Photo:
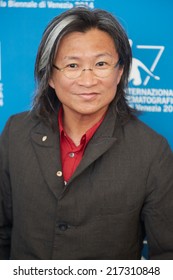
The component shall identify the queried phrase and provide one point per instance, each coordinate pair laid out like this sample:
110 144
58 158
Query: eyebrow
96 56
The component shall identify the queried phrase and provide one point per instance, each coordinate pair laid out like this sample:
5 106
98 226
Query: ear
51 83
120 72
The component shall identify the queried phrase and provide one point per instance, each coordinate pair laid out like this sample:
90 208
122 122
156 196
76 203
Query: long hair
78 19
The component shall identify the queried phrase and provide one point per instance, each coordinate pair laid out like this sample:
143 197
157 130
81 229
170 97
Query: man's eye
72 66
102 64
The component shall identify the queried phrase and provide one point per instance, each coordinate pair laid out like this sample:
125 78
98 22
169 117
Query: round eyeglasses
101 69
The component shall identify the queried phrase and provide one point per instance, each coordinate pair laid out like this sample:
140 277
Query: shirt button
59 173
71 155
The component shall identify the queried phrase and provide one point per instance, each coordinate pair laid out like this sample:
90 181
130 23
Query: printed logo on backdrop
1 84
140 95
45 4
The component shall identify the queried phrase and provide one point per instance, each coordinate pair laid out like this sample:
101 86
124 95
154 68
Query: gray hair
52 36
78 20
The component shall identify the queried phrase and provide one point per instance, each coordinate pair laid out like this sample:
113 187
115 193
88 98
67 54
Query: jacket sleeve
158 208
5 196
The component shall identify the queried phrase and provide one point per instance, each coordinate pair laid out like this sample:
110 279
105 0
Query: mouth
88 96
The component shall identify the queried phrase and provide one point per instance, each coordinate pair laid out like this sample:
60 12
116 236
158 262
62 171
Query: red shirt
71 154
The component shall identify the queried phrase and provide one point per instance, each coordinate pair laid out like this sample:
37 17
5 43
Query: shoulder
20 123
22 118
136 128
143 139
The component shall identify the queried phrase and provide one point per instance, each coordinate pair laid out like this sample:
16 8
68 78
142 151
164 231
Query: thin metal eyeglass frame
90 69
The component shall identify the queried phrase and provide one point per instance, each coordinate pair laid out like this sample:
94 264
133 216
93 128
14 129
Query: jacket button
44 138
59 173
63 226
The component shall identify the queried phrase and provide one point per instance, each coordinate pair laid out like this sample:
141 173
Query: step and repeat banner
148 25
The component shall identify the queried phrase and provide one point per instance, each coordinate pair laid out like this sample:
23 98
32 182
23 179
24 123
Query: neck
76 125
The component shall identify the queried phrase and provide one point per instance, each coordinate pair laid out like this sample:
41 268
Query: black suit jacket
122 189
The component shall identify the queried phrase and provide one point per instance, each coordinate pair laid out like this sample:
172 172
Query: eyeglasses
101 69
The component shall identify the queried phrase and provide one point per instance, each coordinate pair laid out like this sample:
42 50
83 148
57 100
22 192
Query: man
81 176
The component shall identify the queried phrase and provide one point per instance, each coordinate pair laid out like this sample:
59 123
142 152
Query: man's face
87 94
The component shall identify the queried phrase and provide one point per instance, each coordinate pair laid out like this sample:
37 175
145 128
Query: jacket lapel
102 140
46 146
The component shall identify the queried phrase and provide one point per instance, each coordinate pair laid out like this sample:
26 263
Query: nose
87 78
